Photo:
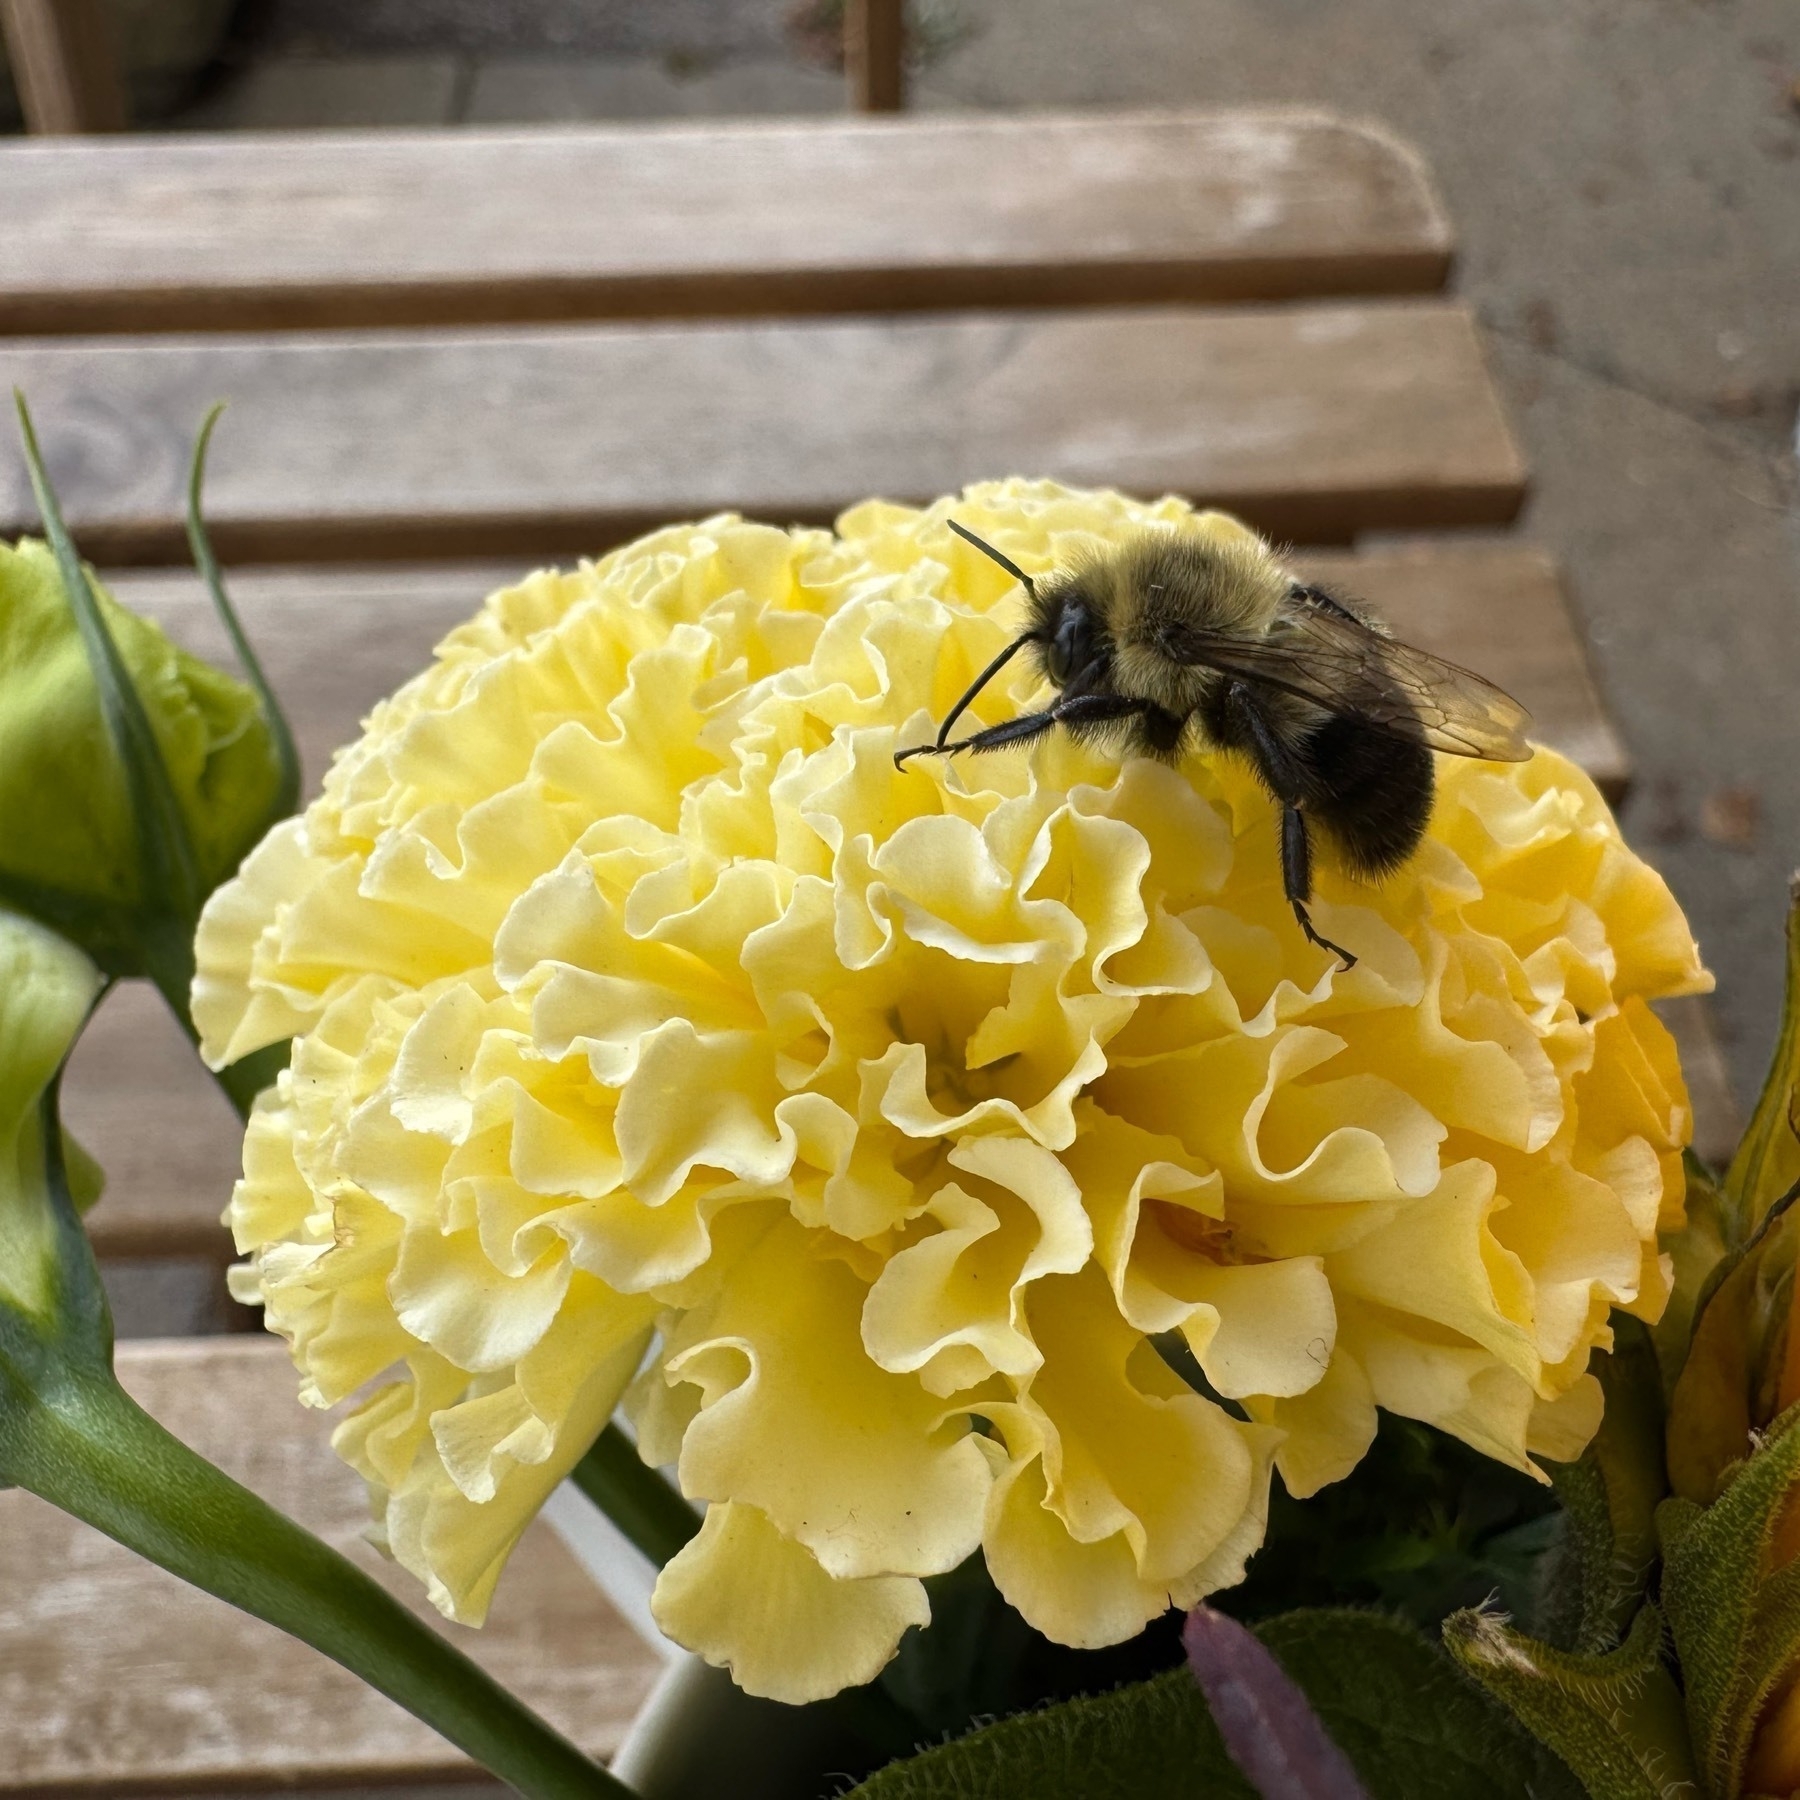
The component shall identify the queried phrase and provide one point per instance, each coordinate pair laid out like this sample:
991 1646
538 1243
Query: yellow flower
884 1123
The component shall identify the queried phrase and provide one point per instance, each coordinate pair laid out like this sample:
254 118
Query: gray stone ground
1625 180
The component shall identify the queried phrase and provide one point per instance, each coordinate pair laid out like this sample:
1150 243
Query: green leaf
1414 1729
1736 1626
1610 1496
1696 1252
1727 1385
47 988
1767 1163
1151 1741
1615 1720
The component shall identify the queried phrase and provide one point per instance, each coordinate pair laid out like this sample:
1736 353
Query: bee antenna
987 549
975 687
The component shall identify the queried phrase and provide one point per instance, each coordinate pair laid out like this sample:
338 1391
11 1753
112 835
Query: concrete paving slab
1680 548
1624 174
545 90
592 27
298 93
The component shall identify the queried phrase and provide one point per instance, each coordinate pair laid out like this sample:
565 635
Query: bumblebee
1170 643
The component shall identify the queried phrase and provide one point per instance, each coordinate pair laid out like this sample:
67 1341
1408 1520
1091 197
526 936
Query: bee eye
1071 648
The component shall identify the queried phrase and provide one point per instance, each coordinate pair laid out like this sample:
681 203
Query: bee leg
1012 731
1282 777
1078 709
1296 880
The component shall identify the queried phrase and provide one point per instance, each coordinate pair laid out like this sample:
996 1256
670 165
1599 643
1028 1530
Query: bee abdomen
1370 792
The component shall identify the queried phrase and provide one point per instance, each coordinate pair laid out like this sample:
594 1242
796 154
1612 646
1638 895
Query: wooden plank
117 1678
1316 422
335 641
875 54
398 227
1498 608
64 66
1718 1118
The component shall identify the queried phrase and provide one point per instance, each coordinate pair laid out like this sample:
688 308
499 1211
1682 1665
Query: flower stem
637 1499
80 1442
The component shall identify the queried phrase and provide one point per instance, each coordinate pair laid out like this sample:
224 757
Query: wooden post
63 61
874 46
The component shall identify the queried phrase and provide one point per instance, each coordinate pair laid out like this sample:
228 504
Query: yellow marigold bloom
881 1123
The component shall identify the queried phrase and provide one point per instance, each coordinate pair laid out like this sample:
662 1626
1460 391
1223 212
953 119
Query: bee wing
1332 658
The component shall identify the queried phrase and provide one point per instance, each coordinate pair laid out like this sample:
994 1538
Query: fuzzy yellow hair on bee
1172 642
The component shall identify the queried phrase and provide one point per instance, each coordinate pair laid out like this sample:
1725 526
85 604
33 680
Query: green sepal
1736 1625
286 796
1411 1725
1610 1497
1615 1720
168 868
1727 1385
1695 1252
134 777
1767 1163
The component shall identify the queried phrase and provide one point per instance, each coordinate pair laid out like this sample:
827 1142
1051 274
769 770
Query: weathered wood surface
1316 422
117 1678
335 641
64 66
418 227
875 54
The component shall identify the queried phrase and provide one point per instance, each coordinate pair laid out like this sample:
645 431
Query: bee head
1068 633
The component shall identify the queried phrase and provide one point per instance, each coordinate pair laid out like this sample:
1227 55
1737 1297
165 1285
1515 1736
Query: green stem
84 1445
635 1497
171 967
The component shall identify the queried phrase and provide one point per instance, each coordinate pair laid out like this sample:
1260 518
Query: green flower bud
70 846
46 989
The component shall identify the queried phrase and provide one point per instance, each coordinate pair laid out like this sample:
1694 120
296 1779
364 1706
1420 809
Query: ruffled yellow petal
759 1604
878 1125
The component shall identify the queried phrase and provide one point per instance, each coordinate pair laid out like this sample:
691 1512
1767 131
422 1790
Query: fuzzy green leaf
1737 1628
1727 1384
1413 1728
1610 1496
1411 1724
1615 1720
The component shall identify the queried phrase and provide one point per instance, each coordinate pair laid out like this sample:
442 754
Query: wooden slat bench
526 345
1314 422
660 221
154 1685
